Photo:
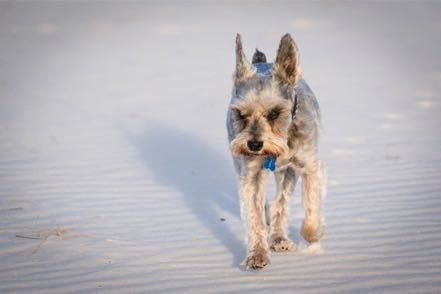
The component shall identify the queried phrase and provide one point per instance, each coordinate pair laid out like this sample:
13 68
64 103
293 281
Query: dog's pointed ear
286 68
244 70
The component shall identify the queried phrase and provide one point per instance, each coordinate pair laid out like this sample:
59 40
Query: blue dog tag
270 163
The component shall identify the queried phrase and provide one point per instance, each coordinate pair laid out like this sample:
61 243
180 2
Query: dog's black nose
255 145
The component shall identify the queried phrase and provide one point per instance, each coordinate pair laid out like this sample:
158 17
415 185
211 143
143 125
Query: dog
273 124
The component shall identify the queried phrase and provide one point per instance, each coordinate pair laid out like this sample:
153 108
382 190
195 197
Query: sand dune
115 174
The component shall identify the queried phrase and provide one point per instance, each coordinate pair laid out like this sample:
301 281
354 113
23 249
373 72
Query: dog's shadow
188 164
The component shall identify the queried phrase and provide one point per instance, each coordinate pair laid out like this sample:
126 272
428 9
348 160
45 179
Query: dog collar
270 163
294 108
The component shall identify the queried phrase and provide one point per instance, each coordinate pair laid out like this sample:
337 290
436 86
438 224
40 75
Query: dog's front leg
286 181
252 197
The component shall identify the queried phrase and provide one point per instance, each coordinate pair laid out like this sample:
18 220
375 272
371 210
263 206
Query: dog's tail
259 57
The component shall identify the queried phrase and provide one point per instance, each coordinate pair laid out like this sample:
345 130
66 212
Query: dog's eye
239 115
273 115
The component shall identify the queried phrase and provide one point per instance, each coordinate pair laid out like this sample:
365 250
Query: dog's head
262 103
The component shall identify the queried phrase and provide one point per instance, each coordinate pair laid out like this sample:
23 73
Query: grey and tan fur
274 112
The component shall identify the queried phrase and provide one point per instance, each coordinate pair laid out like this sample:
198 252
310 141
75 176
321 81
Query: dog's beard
272 145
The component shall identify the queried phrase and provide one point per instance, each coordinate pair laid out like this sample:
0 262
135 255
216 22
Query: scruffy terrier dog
273 123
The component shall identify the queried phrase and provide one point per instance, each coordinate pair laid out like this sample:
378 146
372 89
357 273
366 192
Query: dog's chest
292 159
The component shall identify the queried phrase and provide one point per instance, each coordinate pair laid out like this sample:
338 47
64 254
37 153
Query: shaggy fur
261 122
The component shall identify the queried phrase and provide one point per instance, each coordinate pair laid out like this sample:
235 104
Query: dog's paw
281 244
257 260
312 231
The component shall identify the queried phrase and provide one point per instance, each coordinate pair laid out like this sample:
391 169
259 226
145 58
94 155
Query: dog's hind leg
313 181
286 181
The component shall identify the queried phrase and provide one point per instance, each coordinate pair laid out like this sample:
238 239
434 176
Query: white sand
114 165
